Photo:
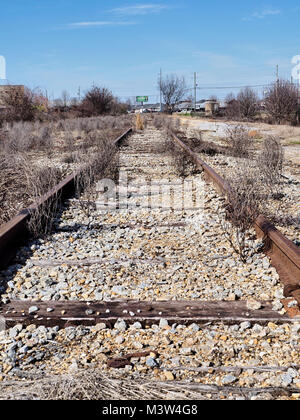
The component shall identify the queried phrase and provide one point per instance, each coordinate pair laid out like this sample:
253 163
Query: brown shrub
243 205
19 104
238 141
270 164
254 134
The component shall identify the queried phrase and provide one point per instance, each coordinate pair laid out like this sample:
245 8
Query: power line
232 87
194 88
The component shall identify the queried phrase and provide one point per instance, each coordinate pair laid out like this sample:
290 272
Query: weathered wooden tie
71 313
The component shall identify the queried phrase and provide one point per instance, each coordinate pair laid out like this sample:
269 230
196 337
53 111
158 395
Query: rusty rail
284 254
15 232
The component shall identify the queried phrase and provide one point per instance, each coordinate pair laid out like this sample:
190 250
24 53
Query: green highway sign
142 98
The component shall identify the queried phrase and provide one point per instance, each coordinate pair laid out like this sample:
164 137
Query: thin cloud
91 24
142 9
216 60
263 14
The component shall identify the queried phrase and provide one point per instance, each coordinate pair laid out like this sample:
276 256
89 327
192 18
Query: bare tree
58 102
173 90
74 101
232 107
248 103
98 100
65 96
282 101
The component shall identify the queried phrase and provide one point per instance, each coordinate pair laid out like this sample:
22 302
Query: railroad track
284 254
144 261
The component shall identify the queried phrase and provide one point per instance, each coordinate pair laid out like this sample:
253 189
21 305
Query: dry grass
95 385
255 134
139 123
12 186
181 162
40 182
100 162
59 136
21 183
29 150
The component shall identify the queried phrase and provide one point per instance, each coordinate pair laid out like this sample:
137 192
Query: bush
270 164
238 140
19 104
282 102
243 205
98 101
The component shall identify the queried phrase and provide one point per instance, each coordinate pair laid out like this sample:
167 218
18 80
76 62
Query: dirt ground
216 129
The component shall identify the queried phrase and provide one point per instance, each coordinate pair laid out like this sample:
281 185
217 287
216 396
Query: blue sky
64 44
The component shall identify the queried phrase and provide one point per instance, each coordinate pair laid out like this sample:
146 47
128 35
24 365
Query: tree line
31 105
280 104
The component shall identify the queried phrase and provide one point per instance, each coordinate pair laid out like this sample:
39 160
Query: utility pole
277 78
195 90
160 95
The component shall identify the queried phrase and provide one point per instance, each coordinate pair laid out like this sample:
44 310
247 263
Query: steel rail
284 254
15 232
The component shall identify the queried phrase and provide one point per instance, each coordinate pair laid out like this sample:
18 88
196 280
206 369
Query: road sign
142 98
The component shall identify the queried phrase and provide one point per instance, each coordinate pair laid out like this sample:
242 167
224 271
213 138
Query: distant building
211 107
146 108
184 106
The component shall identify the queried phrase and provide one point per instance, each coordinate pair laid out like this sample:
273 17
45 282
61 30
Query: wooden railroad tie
72 313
